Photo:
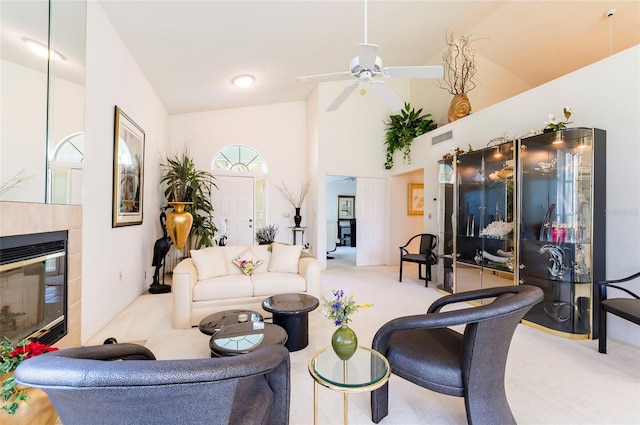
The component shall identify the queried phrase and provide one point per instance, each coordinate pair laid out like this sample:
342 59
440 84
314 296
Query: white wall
277 132
404 226
113 78
494 84
605 95
350 140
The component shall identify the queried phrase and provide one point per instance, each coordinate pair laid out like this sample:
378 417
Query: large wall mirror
42 100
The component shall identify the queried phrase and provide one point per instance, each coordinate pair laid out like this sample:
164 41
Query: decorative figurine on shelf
556 266
160 250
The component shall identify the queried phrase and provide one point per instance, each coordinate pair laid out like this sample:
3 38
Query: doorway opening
341 221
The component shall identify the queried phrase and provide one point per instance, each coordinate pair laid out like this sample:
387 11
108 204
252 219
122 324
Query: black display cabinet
561 233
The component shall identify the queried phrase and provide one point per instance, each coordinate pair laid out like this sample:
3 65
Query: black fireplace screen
33 286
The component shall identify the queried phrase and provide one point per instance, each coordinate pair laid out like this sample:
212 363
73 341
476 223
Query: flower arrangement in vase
553 124
10 357
339 309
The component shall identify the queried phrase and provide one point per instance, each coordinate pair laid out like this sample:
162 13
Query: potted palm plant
188 192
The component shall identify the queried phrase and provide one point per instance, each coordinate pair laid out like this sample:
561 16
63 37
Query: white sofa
209 281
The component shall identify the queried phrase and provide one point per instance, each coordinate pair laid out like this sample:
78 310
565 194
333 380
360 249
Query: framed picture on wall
415 199
346 207
128 171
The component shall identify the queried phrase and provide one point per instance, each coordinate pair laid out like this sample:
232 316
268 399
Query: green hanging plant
402 129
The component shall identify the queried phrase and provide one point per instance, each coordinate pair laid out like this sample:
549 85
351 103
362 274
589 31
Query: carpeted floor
550 380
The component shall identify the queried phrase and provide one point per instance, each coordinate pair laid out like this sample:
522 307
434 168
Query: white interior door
370 222
233 204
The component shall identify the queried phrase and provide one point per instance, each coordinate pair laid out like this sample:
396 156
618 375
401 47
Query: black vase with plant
185 183
295 201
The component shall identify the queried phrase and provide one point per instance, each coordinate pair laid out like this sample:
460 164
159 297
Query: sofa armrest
309 269
185 277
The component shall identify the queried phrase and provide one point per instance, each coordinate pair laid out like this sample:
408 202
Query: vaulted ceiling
190 50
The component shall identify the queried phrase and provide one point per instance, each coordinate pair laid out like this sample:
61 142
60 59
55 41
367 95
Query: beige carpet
550 380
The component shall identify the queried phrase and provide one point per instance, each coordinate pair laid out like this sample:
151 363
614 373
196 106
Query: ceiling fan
367 65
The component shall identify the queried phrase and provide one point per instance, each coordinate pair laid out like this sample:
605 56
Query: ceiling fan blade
387 95
342 96
367 55
323 77
413 72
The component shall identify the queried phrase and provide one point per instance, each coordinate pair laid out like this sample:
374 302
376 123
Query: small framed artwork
415 199
346 207
128 171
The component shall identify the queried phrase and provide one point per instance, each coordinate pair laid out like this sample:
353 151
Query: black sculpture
160 250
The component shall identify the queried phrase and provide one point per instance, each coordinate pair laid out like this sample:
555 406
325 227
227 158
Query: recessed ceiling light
41 50
243 81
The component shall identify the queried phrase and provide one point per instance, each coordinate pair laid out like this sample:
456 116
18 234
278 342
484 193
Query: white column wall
113 78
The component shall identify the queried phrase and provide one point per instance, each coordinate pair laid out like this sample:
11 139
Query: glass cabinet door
485 210
556 226
446 183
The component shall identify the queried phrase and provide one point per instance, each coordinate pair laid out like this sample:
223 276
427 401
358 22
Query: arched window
240 159
70 149
66 170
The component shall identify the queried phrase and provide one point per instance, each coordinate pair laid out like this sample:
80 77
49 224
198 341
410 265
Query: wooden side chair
426 256
626 308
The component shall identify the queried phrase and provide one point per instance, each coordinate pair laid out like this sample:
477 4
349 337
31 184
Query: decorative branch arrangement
14 181
296 202
459 64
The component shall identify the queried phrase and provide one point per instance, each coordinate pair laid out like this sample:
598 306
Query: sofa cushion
222 288
284 258
209 262
247 261
264 253
230 253
266 284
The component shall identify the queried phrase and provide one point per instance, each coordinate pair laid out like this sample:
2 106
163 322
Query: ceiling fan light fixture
243 81
41 50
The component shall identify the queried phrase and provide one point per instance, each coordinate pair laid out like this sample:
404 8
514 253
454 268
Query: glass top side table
365 371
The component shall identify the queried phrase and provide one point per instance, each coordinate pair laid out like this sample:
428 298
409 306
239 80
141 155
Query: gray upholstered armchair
253 388
423 350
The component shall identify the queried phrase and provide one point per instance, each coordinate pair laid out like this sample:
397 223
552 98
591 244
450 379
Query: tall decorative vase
297 219
38 409
344 342
179 223
460 107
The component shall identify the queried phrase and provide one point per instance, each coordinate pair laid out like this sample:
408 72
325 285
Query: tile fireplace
26 219
33 286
